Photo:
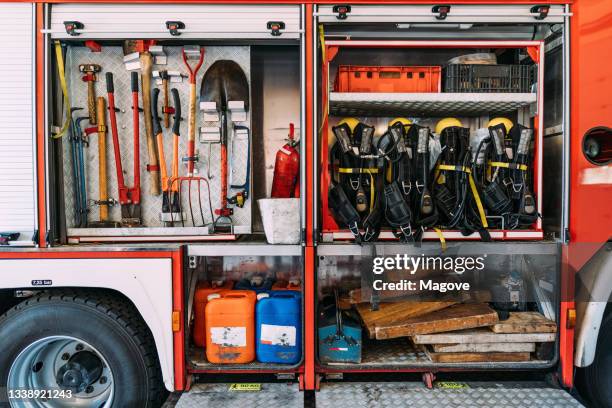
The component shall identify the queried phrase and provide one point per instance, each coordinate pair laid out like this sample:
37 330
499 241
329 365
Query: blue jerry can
339 336
278 322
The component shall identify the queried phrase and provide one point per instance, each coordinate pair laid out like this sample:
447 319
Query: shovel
224 82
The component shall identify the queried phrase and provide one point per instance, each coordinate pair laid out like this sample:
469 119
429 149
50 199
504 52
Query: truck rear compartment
532 253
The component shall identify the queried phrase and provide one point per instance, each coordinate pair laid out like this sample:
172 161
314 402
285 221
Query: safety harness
356 182
455 192
504 176
409 208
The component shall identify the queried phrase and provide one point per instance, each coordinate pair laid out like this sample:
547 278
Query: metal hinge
174 27
441 11
541 10
275 27
341 11
71 26
285 376
334 376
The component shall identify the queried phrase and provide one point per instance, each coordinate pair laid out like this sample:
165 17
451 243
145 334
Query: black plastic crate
488 78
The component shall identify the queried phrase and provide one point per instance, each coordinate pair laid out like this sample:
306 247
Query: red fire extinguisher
286 168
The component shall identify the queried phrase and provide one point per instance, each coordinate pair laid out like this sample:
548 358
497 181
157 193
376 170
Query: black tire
110 324
595 381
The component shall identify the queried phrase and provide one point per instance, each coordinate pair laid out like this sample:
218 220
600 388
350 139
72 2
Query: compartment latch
72 26
342 11
541 11
275 27
441 11
174 27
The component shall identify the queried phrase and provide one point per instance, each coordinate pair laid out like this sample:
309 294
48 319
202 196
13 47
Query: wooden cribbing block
390 315
476 357
456 317
525 322
485 348
483 335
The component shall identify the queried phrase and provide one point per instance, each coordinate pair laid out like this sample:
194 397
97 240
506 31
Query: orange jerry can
203 289
293 284
230 327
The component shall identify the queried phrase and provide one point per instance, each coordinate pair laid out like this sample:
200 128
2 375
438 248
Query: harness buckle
406 187
406 231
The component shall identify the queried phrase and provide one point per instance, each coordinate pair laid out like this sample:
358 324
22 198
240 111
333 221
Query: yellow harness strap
467 170
441 237
62 77
358 170
509 165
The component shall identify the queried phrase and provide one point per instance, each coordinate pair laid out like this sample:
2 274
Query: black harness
456 194
505 177
356 182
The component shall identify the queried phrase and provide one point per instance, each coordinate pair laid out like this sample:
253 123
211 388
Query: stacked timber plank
451 332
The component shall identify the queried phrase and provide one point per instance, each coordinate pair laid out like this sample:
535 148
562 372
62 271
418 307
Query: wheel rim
62 363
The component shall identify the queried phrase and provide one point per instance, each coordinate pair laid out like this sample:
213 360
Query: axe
90 71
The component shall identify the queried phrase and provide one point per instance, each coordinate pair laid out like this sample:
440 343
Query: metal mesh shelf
426 104
199 363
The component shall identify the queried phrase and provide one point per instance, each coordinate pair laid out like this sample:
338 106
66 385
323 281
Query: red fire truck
98 279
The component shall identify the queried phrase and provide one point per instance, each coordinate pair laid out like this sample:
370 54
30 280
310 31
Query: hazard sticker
228 336
248 387
274 335
450 385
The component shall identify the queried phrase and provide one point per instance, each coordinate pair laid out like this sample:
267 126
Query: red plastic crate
352 78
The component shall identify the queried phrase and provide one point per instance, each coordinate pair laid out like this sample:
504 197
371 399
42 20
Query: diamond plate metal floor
413 394
220 395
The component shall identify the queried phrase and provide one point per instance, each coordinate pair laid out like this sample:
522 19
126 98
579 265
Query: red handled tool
196 53
129 198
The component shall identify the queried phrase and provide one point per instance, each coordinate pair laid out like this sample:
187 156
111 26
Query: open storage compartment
419 325
429 324
472 93
271 328
224 158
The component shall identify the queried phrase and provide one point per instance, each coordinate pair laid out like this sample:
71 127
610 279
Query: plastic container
488 78
257 284
230 327
293 284
203 289
281 219
352 78
279 327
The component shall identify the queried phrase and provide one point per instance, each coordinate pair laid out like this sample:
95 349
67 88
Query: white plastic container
281 219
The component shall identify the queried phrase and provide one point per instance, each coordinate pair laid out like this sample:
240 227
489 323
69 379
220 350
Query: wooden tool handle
91 102
146 64
191 128
101 118
166 104
192 112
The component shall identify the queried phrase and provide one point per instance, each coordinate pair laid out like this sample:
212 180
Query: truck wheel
595 380
91 347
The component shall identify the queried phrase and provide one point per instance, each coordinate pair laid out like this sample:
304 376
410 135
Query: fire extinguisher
286 168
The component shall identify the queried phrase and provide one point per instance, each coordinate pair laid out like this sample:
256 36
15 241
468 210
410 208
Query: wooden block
476 357
456 317
395 314
483 335
525 322
485 348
